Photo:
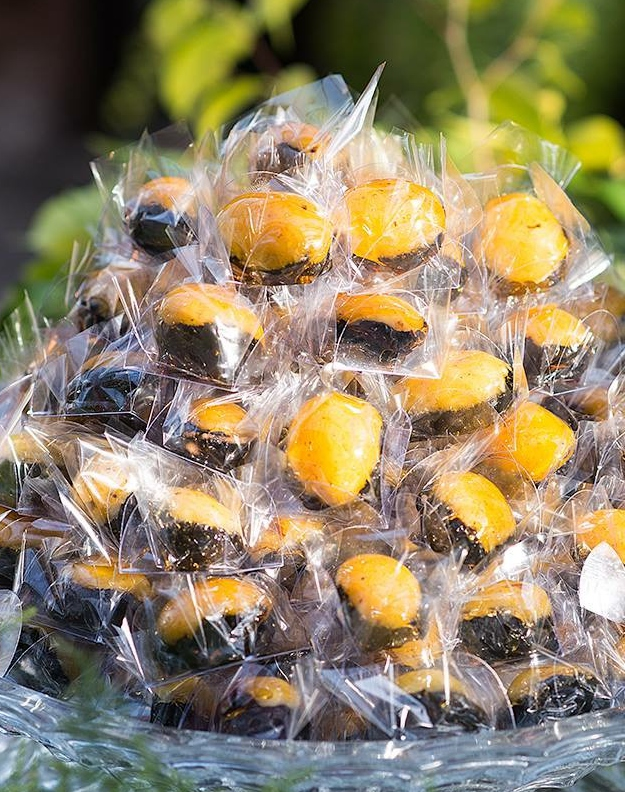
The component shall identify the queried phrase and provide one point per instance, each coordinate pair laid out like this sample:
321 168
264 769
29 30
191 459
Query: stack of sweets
330 443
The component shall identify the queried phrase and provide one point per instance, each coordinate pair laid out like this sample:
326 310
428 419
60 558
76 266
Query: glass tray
554 755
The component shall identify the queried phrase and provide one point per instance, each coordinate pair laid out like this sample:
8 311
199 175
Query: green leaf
293 77
275 16
46 287
551 106
524 101
571 24
554 69
442 101
598 141
462 136
226 102
61 222
480 8
612 192
72 216
165 21
515 100
205 57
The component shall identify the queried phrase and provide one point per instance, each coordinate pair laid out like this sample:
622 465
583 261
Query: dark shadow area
57 58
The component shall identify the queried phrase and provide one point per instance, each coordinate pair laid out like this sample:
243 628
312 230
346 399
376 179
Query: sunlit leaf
275 16
479 8
551 105
571 24
293 77
71 216
166 20
612 191
204 57
226 102
598 141
516 100
61 222
462 136
555 70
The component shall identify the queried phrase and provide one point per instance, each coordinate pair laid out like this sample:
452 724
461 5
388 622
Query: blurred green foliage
454 66
202 60
462 66
208 61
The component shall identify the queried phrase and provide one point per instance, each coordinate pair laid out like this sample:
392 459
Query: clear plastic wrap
388 330
315 435
419 703
110 292
209 331
307 461
186 518
150 193
303 130
276 236
209 426
477 382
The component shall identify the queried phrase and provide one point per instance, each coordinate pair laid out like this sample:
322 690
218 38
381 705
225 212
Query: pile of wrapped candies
329 445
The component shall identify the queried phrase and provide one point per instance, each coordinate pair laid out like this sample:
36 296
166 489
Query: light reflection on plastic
515 558
603 564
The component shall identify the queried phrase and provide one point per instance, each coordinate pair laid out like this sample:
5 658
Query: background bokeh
81 77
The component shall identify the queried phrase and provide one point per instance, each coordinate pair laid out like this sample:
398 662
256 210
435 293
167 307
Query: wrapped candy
331 446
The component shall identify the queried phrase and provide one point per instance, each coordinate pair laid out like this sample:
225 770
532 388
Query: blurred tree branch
456 36
524 45
477 88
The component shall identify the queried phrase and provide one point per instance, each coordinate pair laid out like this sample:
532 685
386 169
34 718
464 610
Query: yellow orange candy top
108 577
381 589
102 485
198 304
468 378
524 600
191 689
198 508
536 439
302 137
269 231
213 416
529 681
387 309
548 325
392 218
271 692
603 525
224 418
522 241
430 679
170 192
419 652
210 599
478 504
333 445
